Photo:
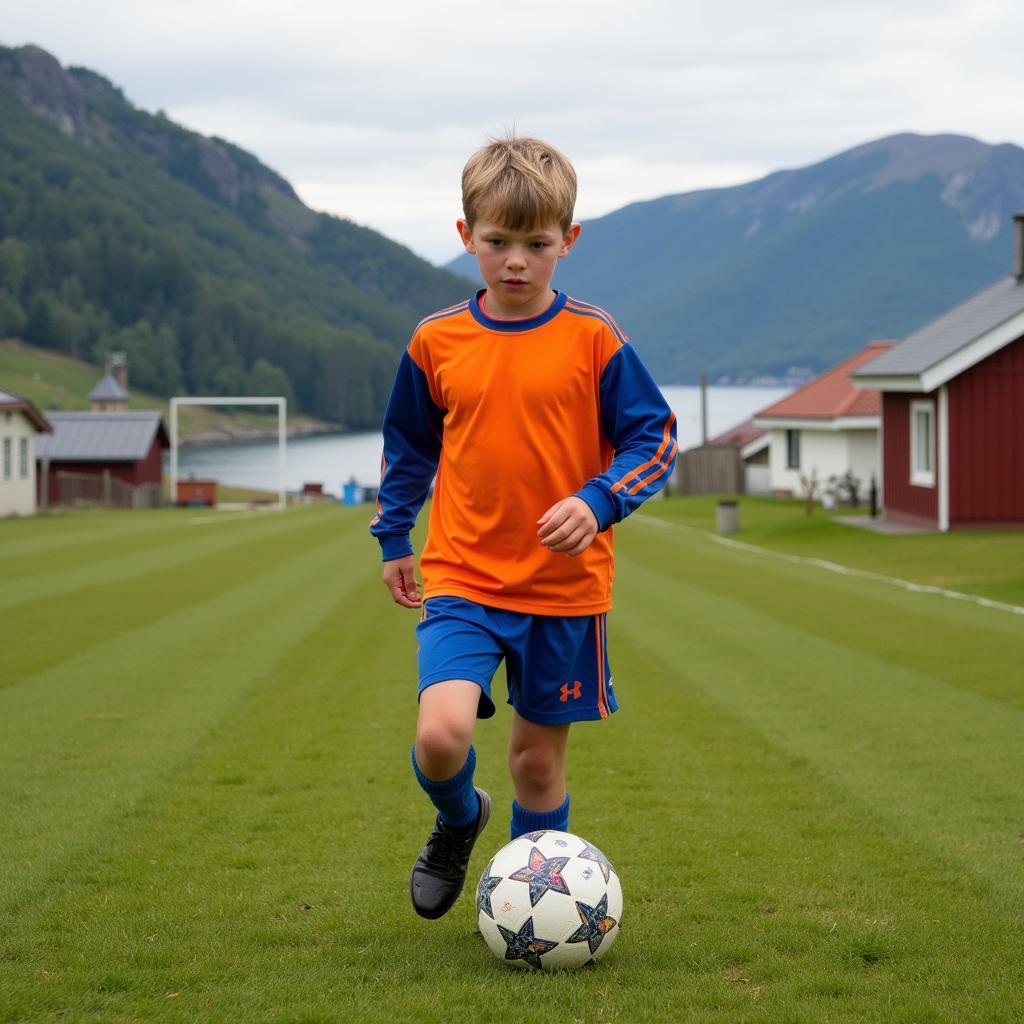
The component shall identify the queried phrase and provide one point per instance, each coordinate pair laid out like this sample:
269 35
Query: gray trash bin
727 517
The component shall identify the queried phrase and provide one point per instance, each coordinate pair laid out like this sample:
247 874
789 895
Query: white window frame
797 443
922 477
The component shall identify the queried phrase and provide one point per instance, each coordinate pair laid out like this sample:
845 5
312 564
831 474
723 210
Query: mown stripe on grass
759 884
53 531
90 734
95 549
174 573
266 877
843 570
57 574
966 646
944 760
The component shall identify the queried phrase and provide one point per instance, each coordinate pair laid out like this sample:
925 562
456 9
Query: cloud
371 110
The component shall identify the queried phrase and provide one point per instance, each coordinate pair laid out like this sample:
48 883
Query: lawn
989 563
812 792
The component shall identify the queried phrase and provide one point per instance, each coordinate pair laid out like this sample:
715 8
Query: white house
829 427
20 422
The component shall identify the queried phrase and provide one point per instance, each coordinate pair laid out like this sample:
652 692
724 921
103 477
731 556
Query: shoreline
229 435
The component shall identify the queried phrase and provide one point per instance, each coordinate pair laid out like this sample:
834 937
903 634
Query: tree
267 379
12 316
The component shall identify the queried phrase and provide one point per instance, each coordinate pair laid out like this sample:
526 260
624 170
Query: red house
953 411
88 451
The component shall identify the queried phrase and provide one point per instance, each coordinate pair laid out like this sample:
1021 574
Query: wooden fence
710 471
103 489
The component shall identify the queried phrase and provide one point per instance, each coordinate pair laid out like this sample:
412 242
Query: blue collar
515 326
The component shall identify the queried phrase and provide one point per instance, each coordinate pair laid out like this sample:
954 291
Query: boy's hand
569 526
400 579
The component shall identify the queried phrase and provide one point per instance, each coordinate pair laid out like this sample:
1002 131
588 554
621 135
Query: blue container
351 493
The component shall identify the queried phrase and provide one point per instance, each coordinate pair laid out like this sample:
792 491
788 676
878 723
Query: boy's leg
536 762
444 760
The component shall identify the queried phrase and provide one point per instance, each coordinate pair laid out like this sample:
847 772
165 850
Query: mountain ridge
120 229
801 267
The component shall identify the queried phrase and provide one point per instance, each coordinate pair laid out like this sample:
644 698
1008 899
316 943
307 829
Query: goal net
282 408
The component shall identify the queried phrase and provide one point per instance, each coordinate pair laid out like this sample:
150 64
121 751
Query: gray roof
108 390
951 332
19 402
101 436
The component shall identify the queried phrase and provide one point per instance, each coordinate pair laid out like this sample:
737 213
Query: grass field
813 791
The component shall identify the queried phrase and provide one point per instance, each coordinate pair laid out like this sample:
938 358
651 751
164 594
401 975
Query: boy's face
517 266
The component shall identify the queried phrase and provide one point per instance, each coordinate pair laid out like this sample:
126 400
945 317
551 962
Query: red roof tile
832 394
739 436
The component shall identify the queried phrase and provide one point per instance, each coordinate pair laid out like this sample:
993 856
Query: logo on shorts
575 691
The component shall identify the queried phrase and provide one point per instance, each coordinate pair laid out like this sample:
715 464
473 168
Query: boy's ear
466 234
569 240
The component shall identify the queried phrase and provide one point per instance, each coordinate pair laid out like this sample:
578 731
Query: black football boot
440 870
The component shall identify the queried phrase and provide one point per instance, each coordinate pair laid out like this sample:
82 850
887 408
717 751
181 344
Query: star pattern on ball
524 945
534 836
594 854
488 883
596 924
542 874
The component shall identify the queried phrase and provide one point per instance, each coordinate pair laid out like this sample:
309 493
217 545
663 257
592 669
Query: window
23 458
7 458
792 449
922 444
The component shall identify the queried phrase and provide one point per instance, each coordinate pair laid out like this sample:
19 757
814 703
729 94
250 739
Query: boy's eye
538 245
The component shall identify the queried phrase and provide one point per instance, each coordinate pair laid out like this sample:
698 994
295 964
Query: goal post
282 410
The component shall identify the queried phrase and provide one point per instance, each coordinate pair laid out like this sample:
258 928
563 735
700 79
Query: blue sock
455 799
524 821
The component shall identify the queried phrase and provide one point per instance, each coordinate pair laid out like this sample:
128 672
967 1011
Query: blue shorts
556 666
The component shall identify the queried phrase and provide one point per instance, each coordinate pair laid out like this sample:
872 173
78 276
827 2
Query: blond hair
522 183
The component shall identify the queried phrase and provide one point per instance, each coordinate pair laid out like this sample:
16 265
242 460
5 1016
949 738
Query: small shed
20 425
827 428
734 462
953 411
113 458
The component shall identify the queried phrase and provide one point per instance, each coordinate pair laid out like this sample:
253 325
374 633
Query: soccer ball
549 900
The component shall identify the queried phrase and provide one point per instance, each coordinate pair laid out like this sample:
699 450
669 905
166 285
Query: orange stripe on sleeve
666 438
651 477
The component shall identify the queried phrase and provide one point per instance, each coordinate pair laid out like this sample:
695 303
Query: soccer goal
282 451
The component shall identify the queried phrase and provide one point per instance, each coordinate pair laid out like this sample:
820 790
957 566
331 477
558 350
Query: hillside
802 267
122 230
55 381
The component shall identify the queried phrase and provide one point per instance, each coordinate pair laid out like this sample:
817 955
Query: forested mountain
122 230
803 267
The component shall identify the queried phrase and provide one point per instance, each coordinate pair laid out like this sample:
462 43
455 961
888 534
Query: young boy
544 429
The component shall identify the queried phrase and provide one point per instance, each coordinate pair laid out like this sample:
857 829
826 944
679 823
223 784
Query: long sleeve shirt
513 416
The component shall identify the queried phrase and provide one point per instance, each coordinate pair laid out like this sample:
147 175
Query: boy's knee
534 767
442 744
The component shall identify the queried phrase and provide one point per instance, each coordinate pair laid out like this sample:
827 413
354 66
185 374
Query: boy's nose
515 258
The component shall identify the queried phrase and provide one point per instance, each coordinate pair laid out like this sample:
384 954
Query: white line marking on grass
228 515
844 570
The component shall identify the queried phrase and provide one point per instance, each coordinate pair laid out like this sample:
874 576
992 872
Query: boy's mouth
514 282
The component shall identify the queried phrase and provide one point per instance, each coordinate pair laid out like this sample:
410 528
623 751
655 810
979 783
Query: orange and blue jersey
513 416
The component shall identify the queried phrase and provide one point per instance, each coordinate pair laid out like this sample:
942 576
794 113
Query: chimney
119 365
1018 246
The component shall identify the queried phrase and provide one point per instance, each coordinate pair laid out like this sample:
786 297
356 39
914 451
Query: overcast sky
371 109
